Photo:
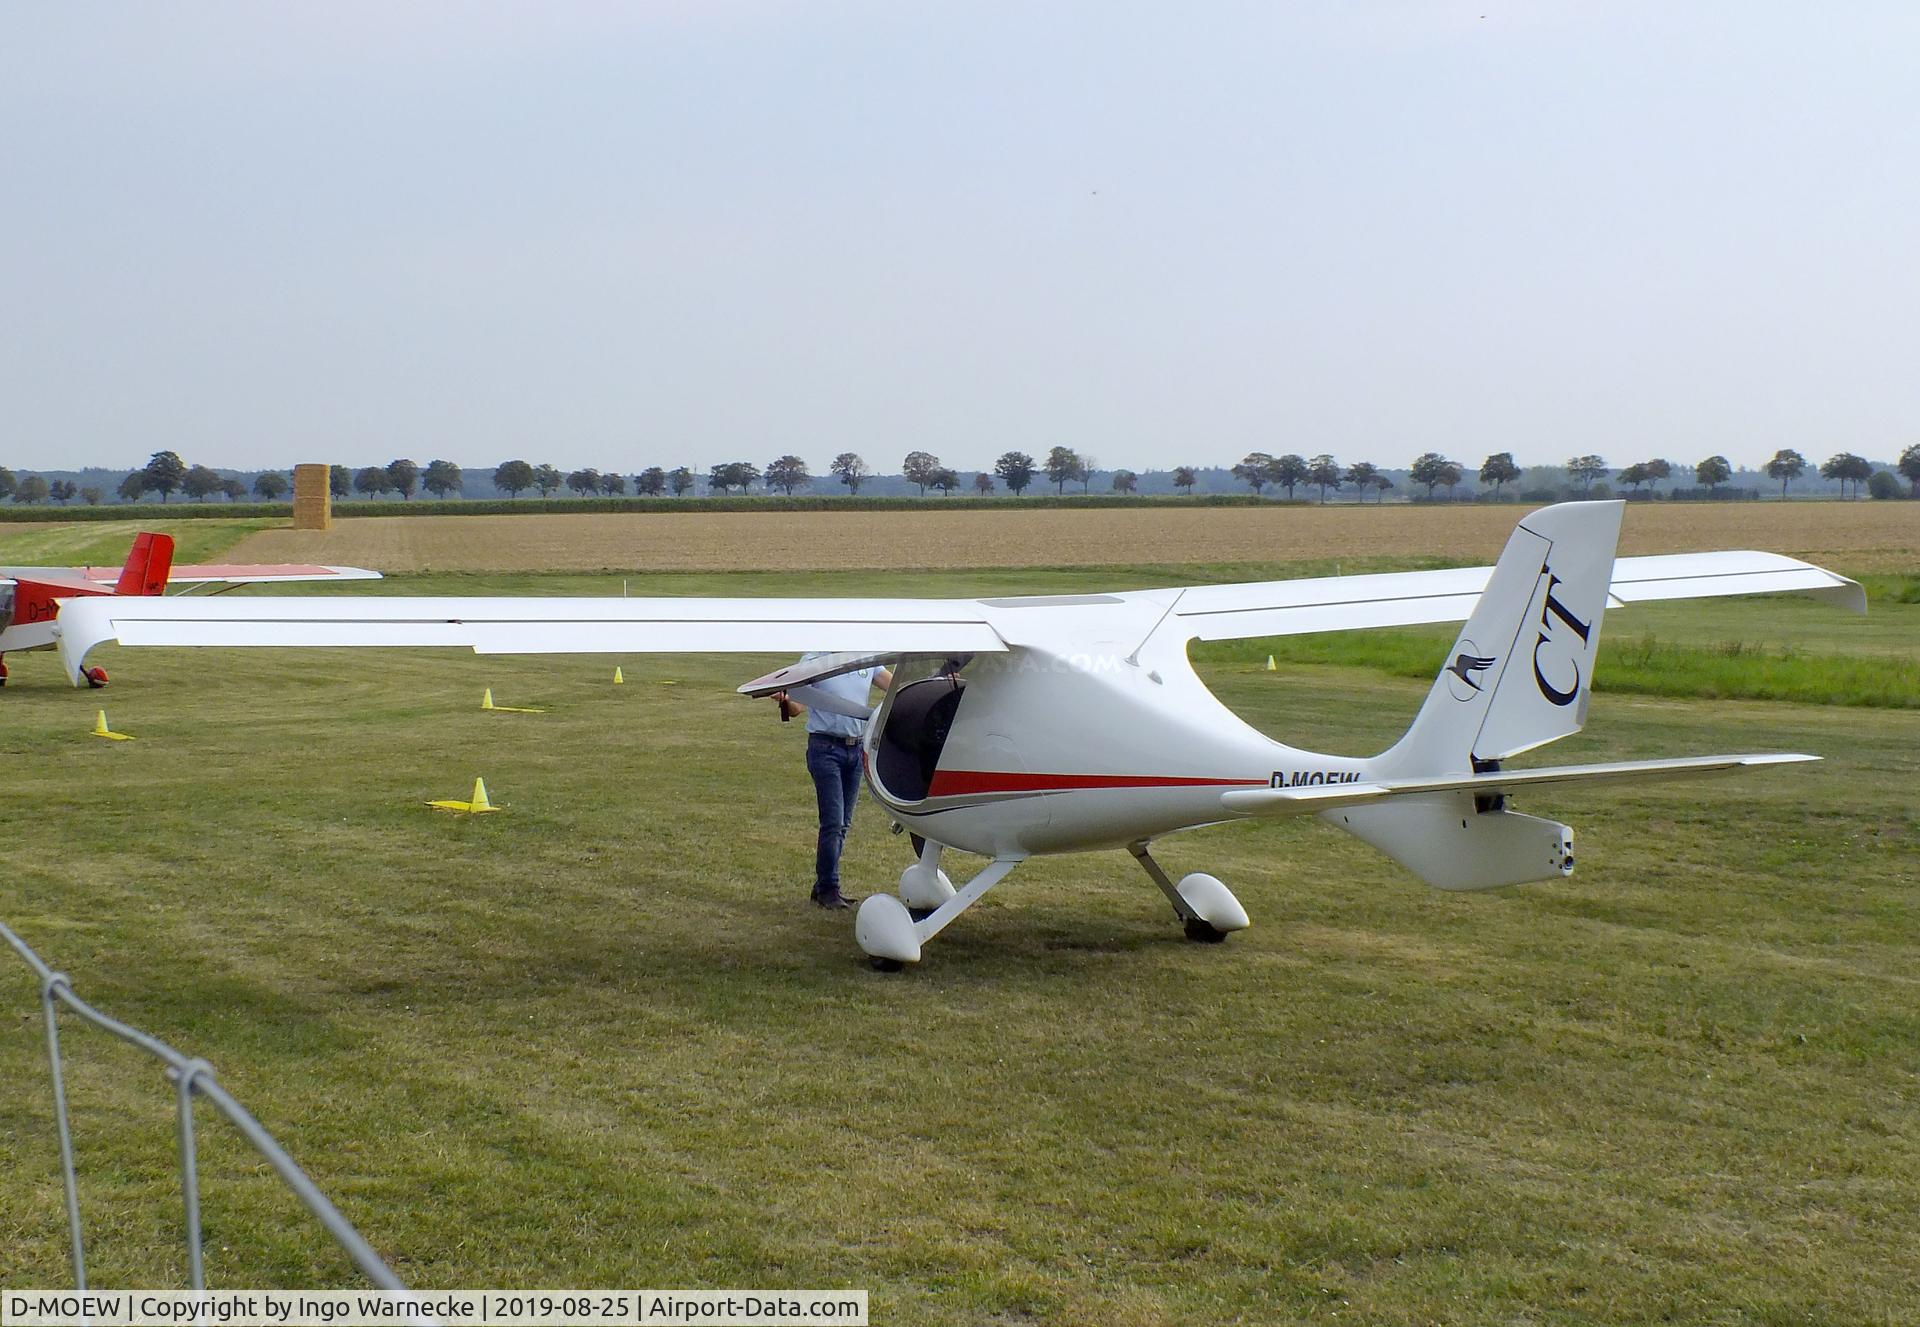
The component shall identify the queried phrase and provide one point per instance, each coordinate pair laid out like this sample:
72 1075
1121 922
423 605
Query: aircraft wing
240 573
1410 598
860 632
874 628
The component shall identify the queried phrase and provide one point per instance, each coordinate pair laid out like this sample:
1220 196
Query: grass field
601 1040
1865 536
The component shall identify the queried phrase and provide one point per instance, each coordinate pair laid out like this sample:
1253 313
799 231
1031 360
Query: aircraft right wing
1411 598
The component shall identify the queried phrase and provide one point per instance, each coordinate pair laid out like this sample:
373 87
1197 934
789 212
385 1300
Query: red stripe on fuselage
956 783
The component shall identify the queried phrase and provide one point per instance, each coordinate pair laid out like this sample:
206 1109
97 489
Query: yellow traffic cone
486 699
486 703
100 729
1272 667
478 805
618 680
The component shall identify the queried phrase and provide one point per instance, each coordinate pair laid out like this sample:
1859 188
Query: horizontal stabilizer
1306 801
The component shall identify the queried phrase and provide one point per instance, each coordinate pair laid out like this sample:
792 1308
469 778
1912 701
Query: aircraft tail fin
1521 672
148 564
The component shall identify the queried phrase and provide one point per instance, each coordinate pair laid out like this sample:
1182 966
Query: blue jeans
835 768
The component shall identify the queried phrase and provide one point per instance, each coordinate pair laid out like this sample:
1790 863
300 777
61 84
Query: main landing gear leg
1204 906
892 936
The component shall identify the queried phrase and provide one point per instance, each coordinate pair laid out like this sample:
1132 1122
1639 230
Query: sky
692 231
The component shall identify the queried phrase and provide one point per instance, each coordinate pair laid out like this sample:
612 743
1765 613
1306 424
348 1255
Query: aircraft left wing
876 628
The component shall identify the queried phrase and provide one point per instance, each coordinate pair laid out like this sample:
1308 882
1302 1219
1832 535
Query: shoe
830 899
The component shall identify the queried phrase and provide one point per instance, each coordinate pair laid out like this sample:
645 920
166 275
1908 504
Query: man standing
835 725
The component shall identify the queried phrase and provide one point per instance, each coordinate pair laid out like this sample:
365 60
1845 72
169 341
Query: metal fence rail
189 1077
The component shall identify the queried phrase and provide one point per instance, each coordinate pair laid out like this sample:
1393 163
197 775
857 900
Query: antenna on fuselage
1134 658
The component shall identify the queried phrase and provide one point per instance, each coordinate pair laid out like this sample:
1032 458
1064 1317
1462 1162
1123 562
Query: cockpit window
919 716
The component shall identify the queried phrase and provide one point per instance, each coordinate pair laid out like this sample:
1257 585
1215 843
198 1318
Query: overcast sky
679 233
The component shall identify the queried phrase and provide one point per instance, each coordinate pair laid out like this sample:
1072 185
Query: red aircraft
28 595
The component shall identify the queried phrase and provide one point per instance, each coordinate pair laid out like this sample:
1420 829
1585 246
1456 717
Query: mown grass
1639 665
103 543
599 1040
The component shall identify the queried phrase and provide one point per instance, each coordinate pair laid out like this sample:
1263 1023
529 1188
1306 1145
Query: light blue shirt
850 687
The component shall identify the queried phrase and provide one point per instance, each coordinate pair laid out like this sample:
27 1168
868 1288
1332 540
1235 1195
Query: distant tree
63 491
339 481
1125 481
270 486
403 476
650 482
165 472
1361 475
946 480
442 479
613 485
1184 477
32 489
1084 470
850 470
92 495
919 468
1786 466
1845 466
1910 467
1323 472
680 480
234 487
372 481
1586 469
133 487
1063 463
732 475
1883 484
1255 470
1380 486
1499 470
1635 475
7 482
548 479
200 483
513 478
1291 470
1655 471
1432 469
1015 470
583 482
787 473
1713 472
983 483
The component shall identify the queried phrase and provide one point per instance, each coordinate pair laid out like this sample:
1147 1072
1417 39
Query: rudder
148 564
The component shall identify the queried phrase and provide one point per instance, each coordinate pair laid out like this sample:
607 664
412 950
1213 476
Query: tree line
166 473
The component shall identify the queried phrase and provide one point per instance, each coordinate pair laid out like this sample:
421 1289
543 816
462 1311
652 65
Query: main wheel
1201 933
886 964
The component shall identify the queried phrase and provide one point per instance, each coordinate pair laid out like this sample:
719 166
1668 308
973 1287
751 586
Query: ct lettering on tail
1555 609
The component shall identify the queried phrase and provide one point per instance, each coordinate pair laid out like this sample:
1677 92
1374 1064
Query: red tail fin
147 565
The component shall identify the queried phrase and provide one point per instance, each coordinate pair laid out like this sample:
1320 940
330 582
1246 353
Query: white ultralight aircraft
1025 726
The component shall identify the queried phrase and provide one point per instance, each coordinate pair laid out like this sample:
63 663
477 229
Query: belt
834 738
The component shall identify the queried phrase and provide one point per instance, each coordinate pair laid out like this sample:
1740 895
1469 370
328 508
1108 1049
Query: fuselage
1048 749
